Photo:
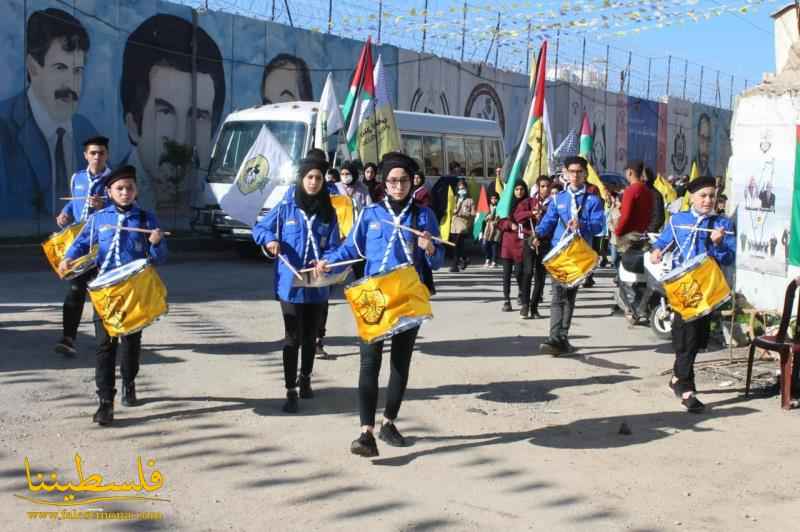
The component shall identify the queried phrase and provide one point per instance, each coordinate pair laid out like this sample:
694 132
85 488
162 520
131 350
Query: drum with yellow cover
129 298
571 261
697 288
56 246
345 213
389 303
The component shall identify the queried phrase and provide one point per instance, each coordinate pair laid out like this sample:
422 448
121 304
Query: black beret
311 163
99 140
701 182
123 172
395 159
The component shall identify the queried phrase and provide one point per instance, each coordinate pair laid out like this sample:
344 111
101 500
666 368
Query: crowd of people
392 225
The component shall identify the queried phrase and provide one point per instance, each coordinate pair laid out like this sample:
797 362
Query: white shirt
49 129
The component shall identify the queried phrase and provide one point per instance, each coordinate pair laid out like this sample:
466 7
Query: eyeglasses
398 182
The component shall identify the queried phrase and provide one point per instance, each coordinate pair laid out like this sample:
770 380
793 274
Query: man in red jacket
635 216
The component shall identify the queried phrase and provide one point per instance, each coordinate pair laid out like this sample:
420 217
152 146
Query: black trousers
510 266
371 358
561 309
687 340
73 303
106 360
533 273
459 239
323 322
301 325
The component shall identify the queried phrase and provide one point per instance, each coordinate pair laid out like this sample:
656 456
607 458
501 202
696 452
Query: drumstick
289 265
134 229
419 233
70 198
703 229
332 265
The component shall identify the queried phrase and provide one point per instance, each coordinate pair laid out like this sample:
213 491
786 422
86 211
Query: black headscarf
319 203
351 167
514 199
394 160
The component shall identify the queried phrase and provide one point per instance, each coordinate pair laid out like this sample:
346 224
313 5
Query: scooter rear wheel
661 322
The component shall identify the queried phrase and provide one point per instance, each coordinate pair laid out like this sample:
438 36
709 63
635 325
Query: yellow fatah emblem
114 315
689 293
253 175
370 306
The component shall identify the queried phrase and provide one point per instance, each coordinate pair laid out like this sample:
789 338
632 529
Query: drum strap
686 250
90 192
113 250
311 242
396 233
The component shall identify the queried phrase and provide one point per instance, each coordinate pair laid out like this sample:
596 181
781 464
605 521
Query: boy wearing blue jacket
574 209
689 234
385 246
88 191
300 228
118 247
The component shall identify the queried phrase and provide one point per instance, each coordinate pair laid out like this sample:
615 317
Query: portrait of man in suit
156 89
41 133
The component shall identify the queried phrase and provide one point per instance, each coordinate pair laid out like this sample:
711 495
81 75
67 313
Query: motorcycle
644 280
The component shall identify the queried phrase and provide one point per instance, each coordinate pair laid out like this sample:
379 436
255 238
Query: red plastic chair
781 344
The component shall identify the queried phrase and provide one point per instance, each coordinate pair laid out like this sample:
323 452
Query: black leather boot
129 395
105 412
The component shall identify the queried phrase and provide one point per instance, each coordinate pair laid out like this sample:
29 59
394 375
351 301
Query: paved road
503 438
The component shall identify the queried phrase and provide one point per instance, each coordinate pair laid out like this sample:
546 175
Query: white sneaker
486 264
494 265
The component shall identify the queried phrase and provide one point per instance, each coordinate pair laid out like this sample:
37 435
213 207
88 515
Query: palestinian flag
351 108
794 238
482 209
586 141
535 116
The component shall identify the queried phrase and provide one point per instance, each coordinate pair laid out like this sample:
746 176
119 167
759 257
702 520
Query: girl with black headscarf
298 231
511 241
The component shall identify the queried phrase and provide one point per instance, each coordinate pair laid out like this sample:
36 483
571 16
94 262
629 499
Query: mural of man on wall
704 133
484 102
156 88
42 135
286 79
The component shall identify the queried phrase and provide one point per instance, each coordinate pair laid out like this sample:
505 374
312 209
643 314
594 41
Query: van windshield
237 138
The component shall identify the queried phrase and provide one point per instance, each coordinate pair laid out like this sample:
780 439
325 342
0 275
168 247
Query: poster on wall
600 106
680 141
762 175
642 131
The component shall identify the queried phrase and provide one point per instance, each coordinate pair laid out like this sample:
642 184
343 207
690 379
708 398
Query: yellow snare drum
56 246
571 260
345 214
129 298
389 303
697 288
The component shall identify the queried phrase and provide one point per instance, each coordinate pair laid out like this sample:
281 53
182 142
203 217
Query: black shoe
453 269
365 445
105 413
674 387
550 347
693 405
464 264
129 395
507 306
519 300
305 387
66 347
290 406
523 312
320 352
566 347
535 315
589 283
392 436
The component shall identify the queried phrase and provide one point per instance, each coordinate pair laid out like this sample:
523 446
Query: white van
463 146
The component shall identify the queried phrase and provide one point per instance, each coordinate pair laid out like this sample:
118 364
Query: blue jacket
370 239
81 185
286 224
132 245
591 216
689 247
25 168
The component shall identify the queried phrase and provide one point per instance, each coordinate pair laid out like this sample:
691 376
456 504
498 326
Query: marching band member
299 230
575 210
385 246
685 232
117 248
88 194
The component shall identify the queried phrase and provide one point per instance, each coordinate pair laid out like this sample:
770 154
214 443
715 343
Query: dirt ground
503 438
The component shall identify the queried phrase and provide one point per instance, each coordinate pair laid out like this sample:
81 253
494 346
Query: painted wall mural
123 69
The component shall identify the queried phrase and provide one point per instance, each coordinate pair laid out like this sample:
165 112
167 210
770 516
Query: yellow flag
593 179
666 189
444 227
694 174
498 186
537 161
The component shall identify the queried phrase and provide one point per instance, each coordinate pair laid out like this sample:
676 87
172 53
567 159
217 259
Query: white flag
329 116
261 170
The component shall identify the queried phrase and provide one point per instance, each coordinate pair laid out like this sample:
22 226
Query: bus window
493 159
432 152
413 147
474 157
456 160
